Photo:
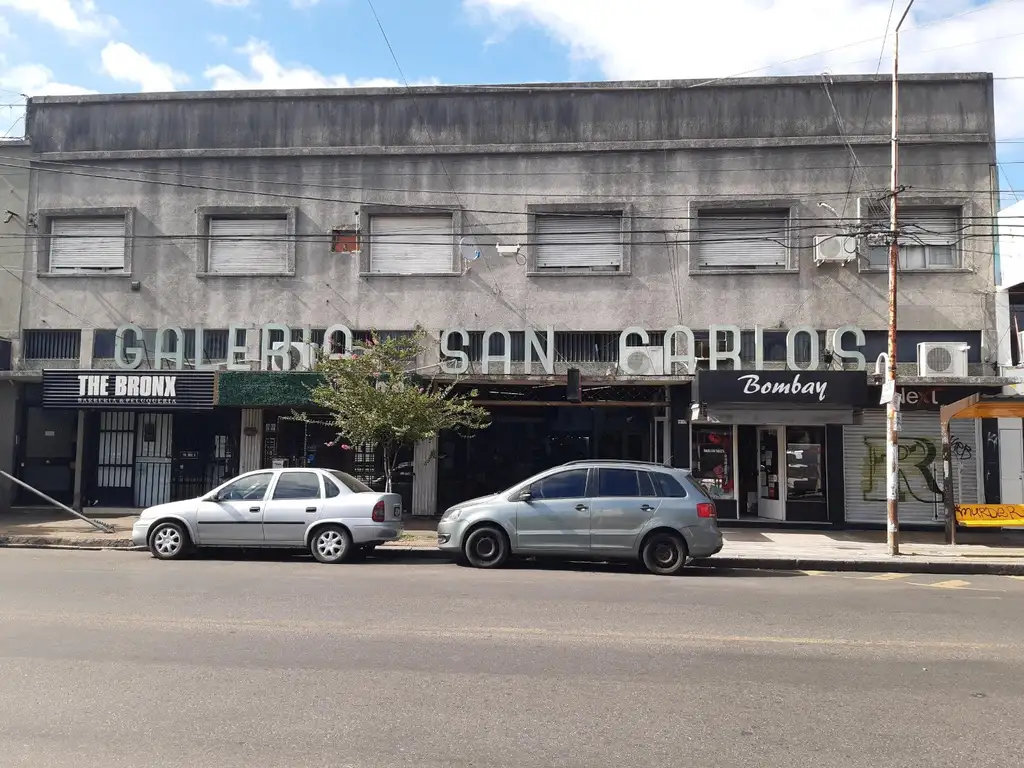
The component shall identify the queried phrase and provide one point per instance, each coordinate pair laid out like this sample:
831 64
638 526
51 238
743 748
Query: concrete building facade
14 182
481 214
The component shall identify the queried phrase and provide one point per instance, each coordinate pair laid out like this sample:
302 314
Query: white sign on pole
888 392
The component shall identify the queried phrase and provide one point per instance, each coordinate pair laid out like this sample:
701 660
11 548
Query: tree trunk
388 469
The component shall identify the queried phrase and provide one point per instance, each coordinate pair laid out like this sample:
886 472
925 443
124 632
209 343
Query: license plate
398 512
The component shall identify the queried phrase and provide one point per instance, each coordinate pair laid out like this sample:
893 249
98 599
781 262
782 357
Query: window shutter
87 244
744 240
929 226
411 245
248 246
579 241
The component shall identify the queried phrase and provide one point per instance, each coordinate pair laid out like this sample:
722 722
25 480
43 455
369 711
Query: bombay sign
678 351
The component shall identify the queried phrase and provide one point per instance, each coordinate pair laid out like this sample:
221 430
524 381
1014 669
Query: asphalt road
114 659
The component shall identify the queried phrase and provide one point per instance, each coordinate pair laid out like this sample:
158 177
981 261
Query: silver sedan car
330 513
588 510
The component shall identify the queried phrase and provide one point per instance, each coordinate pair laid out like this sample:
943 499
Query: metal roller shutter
411 245
920 467
579 241
748 239
87 244
248 246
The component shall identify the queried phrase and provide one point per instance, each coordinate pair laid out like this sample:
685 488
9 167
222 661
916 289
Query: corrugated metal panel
424 480
411 245
87 244
248 246
40 344
579 241
250 446
921 499
748 239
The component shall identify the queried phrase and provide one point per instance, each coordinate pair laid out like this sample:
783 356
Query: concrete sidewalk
980 552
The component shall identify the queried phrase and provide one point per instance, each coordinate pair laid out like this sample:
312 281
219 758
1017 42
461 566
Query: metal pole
892 442
98 525
947 483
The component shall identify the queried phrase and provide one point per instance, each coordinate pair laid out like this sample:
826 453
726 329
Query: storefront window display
713 461
805 462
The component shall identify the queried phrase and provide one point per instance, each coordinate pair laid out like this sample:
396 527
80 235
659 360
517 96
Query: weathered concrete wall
660 149
14 183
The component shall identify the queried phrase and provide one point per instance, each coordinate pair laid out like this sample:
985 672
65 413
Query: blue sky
76 46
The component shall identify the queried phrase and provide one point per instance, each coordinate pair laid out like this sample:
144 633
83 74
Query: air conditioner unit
942 359
834 249
643 361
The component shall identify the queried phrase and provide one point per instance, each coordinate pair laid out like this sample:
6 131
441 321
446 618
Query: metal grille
116 464
52 345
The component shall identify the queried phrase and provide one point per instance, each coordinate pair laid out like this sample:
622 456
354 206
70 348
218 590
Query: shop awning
984 407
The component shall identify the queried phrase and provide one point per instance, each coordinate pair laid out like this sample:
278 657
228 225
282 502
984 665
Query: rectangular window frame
44 222
367 212
822 463
732 206
963 261
540 209
205 214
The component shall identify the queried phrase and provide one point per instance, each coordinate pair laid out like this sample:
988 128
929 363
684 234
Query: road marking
951 584
1018 578
814 573
888 576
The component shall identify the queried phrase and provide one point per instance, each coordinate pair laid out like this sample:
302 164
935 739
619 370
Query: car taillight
378 512
705 510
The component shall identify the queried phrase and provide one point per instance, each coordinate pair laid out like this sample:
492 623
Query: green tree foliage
374 397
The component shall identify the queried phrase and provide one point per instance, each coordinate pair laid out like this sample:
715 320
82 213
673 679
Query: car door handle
254 509
581 507
647 508
311 509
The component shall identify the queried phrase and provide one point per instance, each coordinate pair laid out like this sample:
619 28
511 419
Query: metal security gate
153 459
920 480
115 464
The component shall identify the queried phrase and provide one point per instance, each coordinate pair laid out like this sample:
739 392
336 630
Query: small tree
373 397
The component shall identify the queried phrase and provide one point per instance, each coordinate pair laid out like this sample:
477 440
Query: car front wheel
486 547
331 544
664 554
168 541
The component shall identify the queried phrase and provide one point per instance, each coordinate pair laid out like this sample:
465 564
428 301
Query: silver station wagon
330 513
588 510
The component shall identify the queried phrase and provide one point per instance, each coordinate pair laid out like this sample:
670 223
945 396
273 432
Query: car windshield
354 484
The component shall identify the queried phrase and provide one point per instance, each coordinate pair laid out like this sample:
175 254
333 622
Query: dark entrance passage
524 440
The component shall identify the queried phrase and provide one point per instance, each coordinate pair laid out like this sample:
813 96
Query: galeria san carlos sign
678 350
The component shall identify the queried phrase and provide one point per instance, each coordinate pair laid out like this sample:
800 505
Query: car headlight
452 515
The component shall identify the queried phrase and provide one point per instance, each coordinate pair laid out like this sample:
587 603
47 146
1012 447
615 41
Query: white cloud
30 80
125 64
76 17
660 39
300 4
5 28
267 73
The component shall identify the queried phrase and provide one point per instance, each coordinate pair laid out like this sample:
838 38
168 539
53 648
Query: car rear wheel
664 554
168 541
331 544
486 547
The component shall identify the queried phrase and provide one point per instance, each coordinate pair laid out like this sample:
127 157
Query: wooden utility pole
892 442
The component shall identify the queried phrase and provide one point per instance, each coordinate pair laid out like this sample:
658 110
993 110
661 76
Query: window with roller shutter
756 239
929 239
248 246
412 245
87 245
579 242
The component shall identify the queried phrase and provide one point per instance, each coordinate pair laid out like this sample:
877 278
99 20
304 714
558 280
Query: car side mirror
213 497
526 496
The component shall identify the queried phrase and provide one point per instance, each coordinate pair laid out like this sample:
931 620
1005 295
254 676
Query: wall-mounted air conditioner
643 361
834 249
942 359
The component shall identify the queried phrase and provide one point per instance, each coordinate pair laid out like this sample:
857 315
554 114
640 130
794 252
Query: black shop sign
179 390
848 388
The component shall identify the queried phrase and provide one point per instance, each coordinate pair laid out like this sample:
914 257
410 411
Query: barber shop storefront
149 437
768 445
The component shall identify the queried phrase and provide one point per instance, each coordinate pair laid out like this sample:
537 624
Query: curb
906 564
896 565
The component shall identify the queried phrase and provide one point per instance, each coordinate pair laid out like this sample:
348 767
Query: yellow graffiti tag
993 515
